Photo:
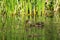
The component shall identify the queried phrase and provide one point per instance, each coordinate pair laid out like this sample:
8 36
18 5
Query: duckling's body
39 24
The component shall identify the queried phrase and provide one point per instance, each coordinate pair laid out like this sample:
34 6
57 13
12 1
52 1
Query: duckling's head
28 21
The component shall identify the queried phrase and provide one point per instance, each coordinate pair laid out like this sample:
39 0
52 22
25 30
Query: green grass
14 13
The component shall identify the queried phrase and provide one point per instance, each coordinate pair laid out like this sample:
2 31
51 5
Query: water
16 28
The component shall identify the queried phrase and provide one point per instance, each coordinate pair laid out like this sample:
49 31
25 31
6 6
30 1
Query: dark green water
16 28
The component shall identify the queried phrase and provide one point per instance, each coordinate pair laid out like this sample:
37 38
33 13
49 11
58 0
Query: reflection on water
28 28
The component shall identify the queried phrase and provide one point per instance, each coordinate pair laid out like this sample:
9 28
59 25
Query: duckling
28 22
28 25
39 24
